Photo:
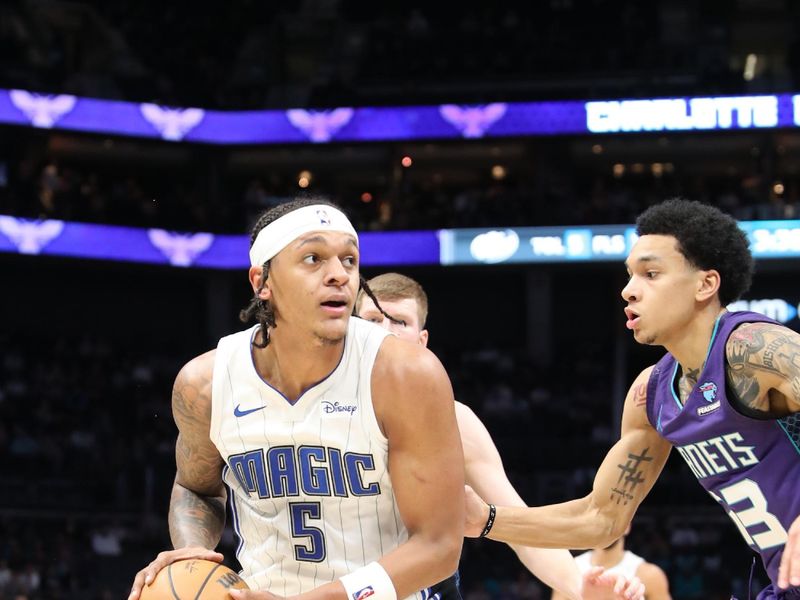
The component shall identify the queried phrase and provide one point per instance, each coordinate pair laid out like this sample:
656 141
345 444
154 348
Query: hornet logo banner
473 122
30 237
320 126
42 110
180 249
172 123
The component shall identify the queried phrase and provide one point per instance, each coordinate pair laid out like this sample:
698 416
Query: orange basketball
193 579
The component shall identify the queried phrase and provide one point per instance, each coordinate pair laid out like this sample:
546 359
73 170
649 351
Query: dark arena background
498 153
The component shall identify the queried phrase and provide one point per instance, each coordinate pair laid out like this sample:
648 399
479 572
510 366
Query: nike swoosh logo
238 412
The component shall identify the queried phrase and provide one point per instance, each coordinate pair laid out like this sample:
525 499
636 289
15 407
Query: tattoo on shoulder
631 474
191 402
762 349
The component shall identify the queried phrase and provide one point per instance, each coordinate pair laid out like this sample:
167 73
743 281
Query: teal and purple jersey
750 465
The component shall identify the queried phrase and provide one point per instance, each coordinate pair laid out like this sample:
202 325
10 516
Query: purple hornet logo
42 110
30 237
182 249
473 121
320 126
172 123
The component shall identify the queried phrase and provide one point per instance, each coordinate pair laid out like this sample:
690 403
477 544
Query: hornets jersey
751 466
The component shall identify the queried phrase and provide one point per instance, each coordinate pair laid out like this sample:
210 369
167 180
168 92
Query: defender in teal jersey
727 395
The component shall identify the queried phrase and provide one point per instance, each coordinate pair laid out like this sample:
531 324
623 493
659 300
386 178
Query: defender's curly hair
261 310
708 238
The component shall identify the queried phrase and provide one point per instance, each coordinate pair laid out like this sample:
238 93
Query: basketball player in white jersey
406 301
615 559
302 418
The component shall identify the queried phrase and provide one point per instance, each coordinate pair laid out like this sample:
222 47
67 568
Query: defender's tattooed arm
625 477
764 368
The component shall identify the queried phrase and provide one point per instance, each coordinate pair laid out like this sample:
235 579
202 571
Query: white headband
284 230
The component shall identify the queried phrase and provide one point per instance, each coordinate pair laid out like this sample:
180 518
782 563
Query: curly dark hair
261 310
708 238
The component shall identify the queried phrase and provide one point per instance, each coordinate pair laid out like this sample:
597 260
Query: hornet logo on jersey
473 121
320 126
709 391
42 110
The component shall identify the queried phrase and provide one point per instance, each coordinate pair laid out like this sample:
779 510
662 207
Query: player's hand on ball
148 574
477 513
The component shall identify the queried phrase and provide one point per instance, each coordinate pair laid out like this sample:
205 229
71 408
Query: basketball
193 578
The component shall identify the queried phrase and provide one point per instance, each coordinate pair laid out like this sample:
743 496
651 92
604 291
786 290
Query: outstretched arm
484 472
623 480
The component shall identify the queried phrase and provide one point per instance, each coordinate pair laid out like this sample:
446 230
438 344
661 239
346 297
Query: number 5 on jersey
313 548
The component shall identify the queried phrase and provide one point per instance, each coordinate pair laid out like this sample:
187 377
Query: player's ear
707 284
254 275
423 337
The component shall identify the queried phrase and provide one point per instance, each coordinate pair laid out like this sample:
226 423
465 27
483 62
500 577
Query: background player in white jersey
303 417
615 559
406 301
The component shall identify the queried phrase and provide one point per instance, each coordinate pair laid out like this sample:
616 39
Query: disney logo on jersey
334 407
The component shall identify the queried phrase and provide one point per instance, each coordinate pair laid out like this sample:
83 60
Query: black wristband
490 521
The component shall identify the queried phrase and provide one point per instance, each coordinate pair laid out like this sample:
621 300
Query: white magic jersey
309 485
627 566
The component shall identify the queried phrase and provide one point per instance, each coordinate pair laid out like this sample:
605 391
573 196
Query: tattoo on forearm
195 520
630 476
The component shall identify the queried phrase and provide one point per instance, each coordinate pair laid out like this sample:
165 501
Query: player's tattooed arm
197 504
631 474
764 367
